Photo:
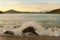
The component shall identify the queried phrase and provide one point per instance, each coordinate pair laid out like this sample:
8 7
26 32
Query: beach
12 37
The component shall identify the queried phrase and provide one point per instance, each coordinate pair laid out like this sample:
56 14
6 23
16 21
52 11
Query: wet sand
12 37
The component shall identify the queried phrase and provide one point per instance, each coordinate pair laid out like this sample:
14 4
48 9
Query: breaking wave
39 29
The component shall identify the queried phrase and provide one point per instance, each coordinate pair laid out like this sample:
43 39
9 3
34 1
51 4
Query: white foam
38 29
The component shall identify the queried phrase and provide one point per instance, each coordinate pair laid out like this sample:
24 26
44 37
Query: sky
29 5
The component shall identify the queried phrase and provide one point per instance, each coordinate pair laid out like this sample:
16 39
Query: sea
18 19
13 19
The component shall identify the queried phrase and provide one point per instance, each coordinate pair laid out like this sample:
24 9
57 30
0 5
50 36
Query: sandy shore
10 37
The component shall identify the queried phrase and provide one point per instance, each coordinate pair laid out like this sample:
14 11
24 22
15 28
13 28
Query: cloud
49 1
27 6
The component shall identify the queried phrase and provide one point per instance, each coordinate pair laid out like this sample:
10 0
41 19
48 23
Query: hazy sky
29 5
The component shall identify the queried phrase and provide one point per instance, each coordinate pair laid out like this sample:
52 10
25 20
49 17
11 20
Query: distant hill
1 12
11 11
55 11
14 11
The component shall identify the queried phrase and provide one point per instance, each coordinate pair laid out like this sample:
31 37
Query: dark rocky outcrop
9 32
30 30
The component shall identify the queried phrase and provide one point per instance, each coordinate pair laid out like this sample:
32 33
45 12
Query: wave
39 29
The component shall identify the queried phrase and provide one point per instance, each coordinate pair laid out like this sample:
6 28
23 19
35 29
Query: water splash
36 25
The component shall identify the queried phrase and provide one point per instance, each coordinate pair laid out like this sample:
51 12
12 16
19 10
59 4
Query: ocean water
12 19
7 21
